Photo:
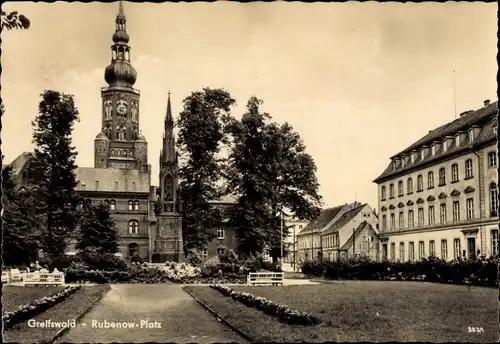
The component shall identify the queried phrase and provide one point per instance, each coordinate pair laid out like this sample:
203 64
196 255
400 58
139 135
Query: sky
358 81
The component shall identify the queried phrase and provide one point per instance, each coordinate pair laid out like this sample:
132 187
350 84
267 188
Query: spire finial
169 109
121 13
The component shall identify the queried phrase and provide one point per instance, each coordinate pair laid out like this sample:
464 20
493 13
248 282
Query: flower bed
282 312
30 310
473 272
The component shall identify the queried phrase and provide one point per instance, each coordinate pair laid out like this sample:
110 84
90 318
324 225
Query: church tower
120 143
168 240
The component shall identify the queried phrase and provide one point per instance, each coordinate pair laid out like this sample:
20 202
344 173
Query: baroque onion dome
120 72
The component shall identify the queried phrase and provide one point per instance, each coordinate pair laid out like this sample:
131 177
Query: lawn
367 311
15 296
68 309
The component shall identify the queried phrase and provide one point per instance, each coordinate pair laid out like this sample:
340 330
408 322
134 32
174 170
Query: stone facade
439 197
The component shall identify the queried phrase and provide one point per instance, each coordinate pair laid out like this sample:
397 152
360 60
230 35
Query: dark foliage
97 230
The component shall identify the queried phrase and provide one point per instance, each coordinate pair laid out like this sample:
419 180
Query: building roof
324 218
485 116
356 233
344 219
20 162
111 180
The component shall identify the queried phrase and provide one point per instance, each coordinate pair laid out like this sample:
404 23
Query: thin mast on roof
454 94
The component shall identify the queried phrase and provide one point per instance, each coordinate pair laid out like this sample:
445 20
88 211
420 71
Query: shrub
97 261
194 258
136 259
482 272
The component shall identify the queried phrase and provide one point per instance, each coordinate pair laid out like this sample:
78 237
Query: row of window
442 213
492 163
422 253
132 204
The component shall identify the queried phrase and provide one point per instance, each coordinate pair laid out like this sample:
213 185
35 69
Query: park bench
5 277
273 278
15 275
43 278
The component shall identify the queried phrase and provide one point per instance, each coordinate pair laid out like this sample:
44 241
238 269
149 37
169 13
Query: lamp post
281 241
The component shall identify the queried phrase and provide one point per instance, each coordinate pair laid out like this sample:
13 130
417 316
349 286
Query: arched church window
124 153
133 226
130 205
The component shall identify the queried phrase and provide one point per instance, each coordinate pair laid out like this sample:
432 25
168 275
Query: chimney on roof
486 102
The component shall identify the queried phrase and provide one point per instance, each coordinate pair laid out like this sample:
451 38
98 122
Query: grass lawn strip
16 296
71 308
245 335
258 325
390 311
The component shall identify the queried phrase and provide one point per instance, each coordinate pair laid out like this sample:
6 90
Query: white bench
5 277
15 275
43 278
273 278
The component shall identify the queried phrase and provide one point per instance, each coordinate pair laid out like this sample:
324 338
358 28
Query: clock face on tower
121 107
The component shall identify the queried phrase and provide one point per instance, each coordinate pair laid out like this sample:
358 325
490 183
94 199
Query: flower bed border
285 314
30 310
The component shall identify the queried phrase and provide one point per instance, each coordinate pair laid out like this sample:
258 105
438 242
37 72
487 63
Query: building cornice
112 194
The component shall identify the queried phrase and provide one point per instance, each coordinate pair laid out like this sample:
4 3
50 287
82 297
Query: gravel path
178 317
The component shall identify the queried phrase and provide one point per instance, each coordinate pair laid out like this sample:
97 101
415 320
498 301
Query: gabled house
335 238
363 242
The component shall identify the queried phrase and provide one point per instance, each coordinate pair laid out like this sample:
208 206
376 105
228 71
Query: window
444 249
394 165
456 248
454 173
409 185
130 205
411 251
430 180
421 250
431 215
133 227
402 251
493 199
432 248
391 191
471 135
97 185
422 155
400 188
420 183
492 159
403 162
468 169
411 221
420 217
205 253
384 222
445 145
442 176
457 140
470 208
442 213
456 211
393 251
433 150
383 193
221 251
136 205
401 219
494 242
133 249
220 233
112 204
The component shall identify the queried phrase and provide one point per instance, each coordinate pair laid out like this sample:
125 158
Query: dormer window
471 135
457 140
403 162
445 145
433 150
412 158
422 155
394 165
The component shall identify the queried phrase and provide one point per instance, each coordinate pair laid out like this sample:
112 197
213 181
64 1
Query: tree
97 230
14 20
55 168
22 221
270 170
201 136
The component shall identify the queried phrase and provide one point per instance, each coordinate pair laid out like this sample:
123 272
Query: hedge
480 272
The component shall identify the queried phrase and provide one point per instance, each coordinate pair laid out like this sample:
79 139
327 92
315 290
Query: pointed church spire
121 13
168 117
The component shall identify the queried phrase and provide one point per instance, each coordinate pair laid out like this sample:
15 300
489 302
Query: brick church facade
121 176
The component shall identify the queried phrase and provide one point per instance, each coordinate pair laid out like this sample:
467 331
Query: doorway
384 251
471 248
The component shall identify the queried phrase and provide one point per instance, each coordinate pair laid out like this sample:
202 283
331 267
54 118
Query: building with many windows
340 232
439 197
